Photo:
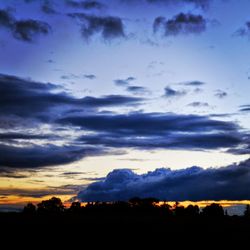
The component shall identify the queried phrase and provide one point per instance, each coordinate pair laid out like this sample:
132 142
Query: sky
107 100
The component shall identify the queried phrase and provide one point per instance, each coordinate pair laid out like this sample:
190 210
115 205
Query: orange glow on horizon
18 201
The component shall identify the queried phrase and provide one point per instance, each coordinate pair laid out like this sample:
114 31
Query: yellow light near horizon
142 161
23 200
223 203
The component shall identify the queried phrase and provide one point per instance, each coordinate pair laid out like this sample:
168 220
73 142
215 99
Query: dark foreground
143 229
119 226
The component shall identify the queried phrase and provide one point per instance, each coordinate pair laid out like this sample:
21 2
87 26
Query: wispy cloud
170 92
25 29
110 27
198 104
124 82
85 5
220 94
181 24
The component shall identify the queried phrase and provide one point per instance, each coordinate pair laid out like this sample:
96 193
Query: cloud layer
39 156
166 131
26 104
26 98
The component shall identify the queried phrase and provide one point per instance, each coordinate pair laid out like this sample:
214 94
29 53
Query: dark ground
123 230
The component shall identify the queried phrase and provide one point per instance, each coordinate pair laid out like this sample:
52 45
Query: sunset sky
106 100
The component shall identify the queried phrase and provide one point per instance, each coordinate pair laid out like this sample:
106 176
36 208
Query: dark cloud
74 76
138 90
41 192
13 174
123 82
200 3
204 4
90 76
71 76
29 1
198 104
220 94
86 5
193 83
243 148
153 123
158 22
110 100
165 131
25 30
181 24
26 104
50 61
195 183
25 98
29 99
73 173
6 19
169 92
244 108
198 90
179 141
47 7
109 27
39 156
243 31
22 136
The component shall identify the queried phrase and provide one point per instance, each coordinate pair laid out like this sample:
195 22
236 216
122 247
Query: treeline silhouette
137 220
135 205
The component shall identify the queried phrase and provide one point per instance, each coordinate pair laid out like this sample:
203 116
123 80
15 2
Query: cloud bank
195 183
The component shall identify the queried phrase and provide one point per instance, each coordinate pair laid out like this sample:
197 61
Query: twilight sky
152 94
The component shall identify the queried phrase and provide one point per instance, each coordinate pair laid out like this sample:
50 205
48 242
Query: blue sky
93 86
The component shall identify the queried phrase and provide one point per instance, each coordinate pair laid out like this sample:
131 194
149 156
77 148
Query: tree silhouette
166 209
29 209
53 205
213 210
192 210
135 201
179 210
75 207
247 211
